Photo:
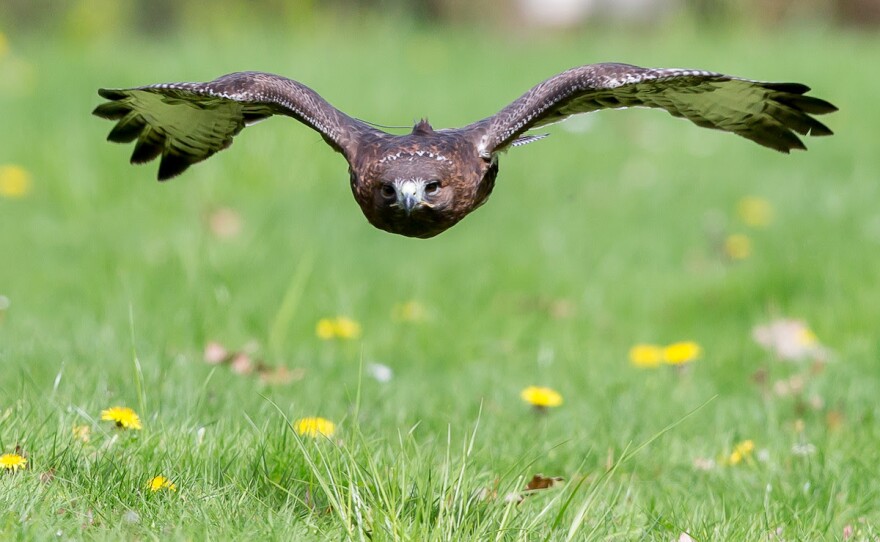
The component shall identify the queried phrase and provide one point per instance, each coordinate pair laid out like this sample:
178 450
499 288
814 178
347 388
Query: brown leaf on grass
834 419
793 385
704 464
48 476
241 363
224 223
215 353
88 519
759 377
280 374
488 493
555 308
539 482
789 340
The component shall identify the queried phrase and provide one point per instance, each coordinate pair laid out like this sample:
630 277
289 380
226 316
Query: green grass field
606 235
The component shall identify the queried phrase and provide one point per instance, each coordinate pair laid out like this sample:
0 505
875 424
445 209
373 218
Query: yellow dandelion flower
313 427
337 328
346 328
411 311
82 432
806 337
737 246
741 451
681 352
646 355
755 212
326 329
541 397
15 181
159 483
4 45
124 417
12 462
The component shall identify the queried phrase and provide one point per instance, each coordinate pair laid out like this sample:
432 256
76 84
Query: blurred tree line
159 16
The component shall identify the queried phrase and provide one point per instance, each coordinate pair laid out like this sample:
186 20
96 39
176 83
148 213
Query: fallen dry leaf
789 340
279 374
48 476
539 481
215 353
834 419
241 364
224 223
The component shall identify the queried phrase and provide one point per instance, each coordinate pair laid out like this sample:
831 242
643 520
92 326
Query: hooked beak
409 195
409 203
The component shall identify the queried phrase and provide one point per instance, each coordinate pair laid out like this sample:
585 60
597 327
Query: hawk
422 183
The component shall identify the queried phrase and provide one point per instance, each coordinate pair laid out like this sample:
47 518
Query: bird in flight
422 183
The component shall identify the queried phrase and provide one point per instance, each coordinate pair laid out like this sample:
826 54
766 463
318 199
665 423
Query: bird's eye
432 187
388 191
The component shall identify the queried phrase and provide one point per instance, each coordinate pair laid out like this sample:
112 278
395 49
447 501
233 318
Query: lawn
613 232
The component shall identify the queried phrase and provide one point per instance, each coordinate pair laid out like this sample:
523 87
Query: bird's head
423 184
414 196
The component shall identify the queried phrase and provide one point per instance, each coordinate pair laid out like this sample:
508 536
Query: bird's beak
409 203
409 196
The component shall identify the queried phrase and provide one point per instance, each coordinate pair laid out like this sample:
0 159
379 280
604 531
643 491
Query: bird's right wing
186 123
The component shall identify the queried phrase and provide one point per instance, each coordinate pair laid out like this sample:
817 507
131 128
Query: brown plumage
423 183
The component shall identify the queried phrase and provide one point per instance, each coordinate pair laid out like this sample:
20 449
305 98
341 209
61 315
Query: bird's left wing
767 113
186 123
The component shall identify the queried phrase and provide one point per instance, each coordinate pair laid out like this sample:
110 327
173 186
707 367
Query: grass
591 243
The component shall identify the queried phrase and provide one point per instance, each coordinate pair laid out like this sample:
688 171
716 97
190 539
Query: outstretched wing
767 113
186 123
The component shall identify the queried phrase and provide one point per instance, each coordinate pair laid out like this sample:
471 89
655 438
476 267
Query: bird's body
444 166
423 183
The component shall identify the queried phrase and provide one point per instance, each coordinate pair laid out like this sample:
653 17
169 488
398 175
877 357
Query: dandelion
541 397
411 311
742 451
124 417
4 45
755 212
82 432
737 246
12 462
158 483
646 356
15 181
681 352
313 427
337 328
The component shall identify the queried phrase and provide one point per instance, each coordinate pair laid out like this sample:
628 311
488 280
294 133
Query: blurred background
87 17
84 225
